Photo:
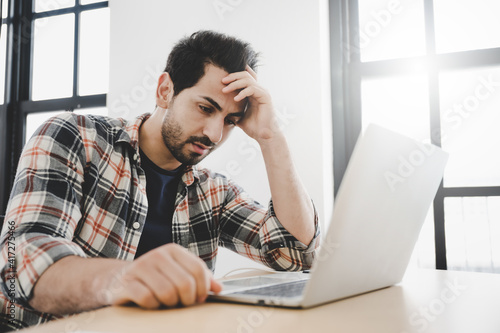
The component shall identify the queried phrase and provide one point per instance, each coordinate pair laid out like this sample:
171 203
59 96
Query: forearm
291 202
74 284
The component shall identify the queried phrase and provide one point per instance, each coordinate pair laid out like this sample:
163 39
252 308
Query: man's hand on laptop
168 275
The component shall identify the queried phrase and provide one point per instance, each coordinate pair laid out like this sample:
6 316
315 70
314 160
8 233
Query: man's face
200 118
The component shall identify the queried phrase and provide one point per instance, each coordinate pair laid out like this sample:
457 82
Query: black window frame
18 82
347 72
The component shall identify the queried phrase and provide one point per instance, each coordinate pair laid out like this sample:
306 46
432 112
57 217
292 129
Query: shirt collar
130 132
191 174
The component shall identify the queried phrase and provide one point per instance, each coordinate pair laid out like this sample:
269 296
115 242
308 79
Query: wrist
110 283
273 139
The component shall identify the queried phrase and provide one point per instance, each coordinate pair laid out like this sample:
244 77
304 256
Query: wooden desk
426 301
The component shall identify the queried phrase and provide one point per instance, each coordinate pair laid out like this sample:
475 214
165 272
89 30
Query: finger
238 84
237 76
166 292
137 293
251 71
215 286
247 92
198 270
181 280
159 284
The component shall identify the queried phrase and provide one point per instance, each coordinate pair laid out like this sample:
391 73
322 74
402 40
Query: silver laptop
381 205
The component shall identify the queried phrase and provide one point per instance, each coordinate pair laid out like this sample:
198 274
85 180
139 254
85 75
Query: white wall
292 36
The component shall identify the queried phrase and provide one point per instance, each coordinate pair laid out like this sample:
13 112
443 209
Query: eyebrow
211 101
218 107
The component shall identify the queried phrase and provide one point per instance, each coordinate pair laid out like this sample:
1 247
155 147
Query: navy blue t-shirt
161 190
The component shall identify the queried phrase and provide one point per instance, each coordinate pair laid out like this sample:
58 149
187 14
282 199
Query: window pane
95 111
470 117
473 233
424 254
398 103
34 120
5 8
46 5
86 2
94 52
3 52
466 25
53 57
391 29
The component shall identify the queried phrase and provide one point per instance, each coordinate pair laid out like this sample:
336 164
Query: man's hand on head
168 275
259 121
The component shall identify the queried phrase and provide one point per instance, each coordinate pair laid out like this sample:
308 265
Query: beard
171 132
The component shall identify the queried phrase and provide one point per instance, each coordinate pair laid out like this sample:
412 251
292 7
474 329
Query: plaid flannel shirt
79 190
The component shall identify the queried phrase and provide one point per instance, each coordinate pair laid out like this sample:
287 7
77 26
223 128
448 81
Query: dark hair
187 60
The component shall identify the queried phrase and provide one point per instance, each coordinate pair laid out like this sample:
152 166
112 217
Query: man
105 211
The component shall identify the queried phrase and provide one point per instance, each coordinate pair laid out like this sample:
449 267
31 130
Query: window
6 28
3 51
429 69
54 58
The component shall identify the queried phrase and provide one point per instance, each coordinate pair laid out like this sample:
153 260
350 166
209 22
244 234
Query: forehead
210 85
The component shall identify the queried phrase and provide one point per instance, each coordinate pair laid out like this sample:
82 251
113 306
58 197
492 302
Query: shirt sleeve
43 210
249 229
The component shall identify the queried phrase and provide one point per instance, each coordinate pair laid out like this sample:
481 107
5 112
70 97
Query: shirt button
136 225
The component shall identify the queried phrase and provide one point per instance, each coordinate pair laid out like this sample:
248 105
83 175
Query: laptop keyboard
290 289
